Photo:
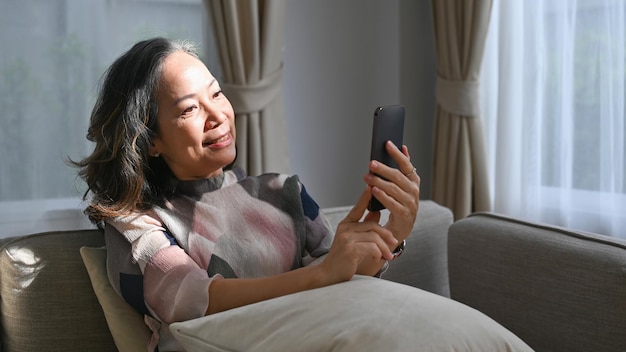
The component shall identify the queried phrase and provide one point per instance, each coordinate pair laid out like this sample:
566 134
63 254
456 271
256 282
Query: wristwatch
398 251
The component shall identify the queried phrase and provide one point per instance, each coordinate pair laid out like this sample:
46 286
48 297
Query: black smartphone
388 125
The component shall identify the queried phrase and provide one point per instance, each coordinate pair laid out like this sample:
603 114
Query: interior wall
342 60
417 85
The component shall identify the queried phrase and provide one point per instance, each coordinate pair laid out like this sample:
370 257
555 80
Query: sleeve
175 287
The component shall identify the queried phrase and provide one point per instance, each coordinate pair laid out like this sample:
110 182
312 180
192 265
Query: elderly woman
189 235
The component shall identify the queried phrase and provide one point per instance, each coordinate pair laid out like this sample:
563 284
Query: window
553 89
53 55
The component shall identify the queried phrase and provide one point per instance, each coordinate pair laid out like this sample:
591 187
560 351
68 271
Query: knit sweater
163 261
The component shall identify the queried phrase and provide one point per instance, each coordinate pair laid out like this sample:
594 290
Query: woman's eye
189 110
218 94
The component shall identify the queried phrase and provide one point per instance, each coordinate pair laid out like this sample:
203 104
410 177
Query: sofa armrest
558 290
424 262
47 301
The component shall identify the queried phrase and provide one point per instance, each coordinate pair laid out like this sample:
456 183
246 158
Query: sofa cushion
47 300
557 289
129 331
425 263
364 314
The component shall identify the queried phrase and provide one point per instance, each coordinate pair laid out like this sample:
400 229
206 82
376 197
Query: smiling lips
221 142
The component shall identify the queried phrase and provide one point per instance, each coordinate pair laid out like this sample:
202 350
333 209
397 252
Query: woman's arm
359 247
226 294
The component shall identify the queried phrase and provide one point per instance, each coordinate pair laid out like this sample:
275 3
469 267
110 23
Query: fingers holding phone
388 125
405 167
392 176
393 188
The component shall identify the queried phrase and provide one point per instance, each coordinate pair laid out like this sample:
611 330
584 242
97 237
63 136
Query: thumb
357 211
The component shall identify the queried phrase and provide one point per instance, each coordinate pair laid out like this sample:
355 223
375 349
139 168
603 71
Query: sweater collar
194 188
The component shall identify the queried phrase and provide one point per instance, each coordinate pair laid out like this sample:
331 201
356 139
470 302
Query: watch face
396 252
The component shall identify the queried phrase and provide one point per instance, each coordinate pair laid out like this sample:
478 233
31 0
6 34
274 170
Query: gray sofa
558 290
47 302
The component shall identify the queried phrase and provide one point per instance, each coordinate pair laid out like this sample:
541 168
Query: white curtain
552 91
52 54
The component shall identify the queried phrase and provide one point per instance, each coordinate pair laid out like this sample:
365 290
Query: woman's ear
152 150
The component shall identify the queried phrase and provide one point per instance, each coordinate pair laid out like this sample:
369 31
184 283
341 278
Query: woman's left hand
397 189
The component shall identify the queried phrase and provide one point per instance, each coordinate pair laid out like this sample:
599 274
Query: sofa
47 300
496 278
556 288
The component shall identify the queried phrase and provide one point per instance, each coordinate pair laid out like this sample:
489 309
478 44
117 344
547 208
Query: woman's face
196 121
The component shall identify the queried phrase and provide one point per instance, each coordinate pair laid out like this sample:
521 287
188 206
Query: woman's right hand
359 246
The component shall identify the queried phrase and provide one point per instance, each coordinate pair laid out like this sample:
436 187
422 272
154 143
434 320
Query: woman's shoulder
135 223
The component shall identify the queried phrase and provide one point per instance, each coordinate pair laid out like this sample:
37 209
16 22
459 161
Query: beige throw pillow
364 314
127 327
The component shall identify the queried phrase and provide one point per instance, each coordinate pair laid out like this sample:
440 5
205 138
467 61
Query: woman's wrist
320 276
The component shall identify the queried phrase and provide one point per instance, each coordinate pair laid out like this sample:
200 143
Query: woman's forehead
183 74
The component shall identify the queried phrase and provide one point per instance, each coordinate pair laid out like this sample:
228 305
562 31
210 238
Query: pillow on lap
364 314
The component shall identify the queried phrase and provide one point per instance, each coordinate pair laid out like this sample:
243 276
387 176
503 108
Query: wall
342 59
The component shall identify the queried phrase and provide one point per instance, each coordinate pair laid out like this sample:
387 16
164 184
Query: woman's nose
215 117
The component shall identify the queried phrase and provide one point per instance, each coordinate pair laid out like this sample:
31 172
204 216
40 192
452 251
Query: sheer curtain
53 54
553 104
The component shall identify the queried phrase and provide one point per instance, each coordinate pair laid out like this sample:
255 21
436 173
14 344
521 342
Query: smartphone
388 125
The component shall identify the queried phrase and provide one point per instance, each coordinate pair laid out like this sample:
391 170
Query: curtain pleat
250 37
460 167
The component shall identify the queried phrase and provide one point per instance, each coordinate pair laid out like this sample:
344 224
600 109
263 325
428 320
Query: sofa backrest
425 262
557 289
47 301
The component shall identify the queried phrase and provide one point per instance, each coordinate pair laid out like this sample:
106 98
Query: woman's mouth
220 142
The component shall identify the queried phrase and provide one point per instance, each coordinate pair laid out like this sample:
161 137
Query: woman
188 235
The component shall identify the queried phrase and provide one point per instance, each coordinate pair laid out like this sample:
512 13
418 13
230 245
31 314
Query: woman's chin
228 157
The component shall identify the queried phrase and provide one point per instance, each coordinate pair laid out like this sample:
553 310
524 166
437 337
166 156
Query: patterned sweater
162 261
